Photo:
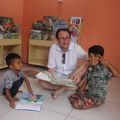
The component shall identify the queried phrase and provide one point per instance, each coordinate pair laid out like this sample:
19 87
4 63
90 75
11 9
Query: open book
27 103
44 75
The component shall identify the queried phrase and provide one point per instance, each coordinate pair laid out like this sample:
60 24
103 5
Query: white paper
25 106
44 76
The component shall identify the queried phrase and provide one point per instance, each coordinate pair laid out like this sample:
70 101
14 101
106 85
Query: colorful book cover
26 102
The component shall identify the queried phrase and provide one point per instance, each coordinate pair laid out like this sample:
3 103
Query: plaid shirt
97 79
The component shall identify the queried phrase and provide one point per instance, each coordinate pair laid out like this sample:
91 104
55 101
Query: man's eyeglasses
64 38
63 60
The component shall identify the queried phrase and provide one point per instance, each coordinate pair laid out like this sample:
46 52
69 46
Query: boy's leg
82 101
47 85
15 87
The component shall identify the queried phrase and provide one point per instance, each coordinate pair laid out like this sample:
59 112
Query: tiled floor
61 109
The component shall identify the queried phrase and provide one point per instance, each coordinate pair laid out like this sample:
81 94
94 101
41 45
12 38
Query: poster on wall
75 23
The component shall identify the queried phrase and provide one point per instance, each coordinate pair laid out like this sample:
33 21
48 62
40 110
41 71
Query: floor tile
113 96
71 118
84 114
4 106
60 105
109 111
106 111
30 115
60 109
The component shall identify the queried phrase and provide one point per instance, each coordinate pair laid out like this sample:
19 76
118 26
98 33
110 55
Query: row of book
46 28
8 28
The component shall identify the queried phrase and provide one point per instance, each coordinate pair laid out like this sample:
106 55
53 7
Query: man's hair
11 57
63 29
96 49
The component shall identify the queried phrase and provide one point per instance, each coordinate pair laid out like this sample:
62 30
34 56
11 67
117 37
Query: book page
44 76
58 81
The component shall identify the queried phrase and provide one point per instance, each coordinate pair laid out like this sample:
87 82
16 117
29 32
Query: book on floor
44 75
26 102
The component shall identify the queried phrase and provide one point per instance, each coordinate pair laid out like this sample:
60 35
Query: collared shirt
72 55
8 78
98 81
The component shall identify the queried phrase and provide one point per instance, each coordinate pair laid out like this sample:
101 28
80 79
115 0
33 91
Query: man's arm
79 72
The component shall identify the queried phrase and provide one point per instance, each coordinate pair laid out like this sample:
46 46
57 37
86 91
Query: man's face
94 59
64 40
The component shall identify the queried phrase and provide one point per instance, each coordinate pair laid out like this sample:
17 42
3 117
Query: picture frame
76 20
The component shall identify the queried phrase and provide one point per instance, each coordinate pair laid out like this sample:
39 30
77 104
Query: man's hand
76 78
52 75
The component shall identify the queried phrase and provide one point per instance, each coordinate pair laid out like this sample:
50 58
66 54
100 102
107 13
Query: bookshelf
7 46
38 51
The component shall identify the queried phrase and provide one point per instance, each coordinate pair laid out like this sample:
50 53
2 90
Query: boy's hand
103 61
33 97
76 78
31 92
12 104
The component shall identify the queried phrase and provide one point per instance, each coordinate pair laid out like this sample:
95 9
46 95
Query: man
62 62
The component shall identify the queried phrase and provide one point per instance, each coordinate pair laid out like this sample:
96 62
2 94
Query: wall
35 10
12 8
101 21
103 27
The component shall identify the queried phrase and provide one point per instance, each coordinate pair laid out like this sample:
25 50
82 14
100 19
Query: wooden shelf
3 66
7 46
40 62
44 43
7 42
38 52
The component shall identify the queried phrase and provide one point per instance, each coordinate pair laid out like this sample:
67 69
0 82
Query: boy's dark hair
11 57
96 49
63 29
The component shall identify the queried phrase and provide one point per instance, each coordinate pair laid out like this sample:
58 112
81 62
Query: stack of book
8 28
48 26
